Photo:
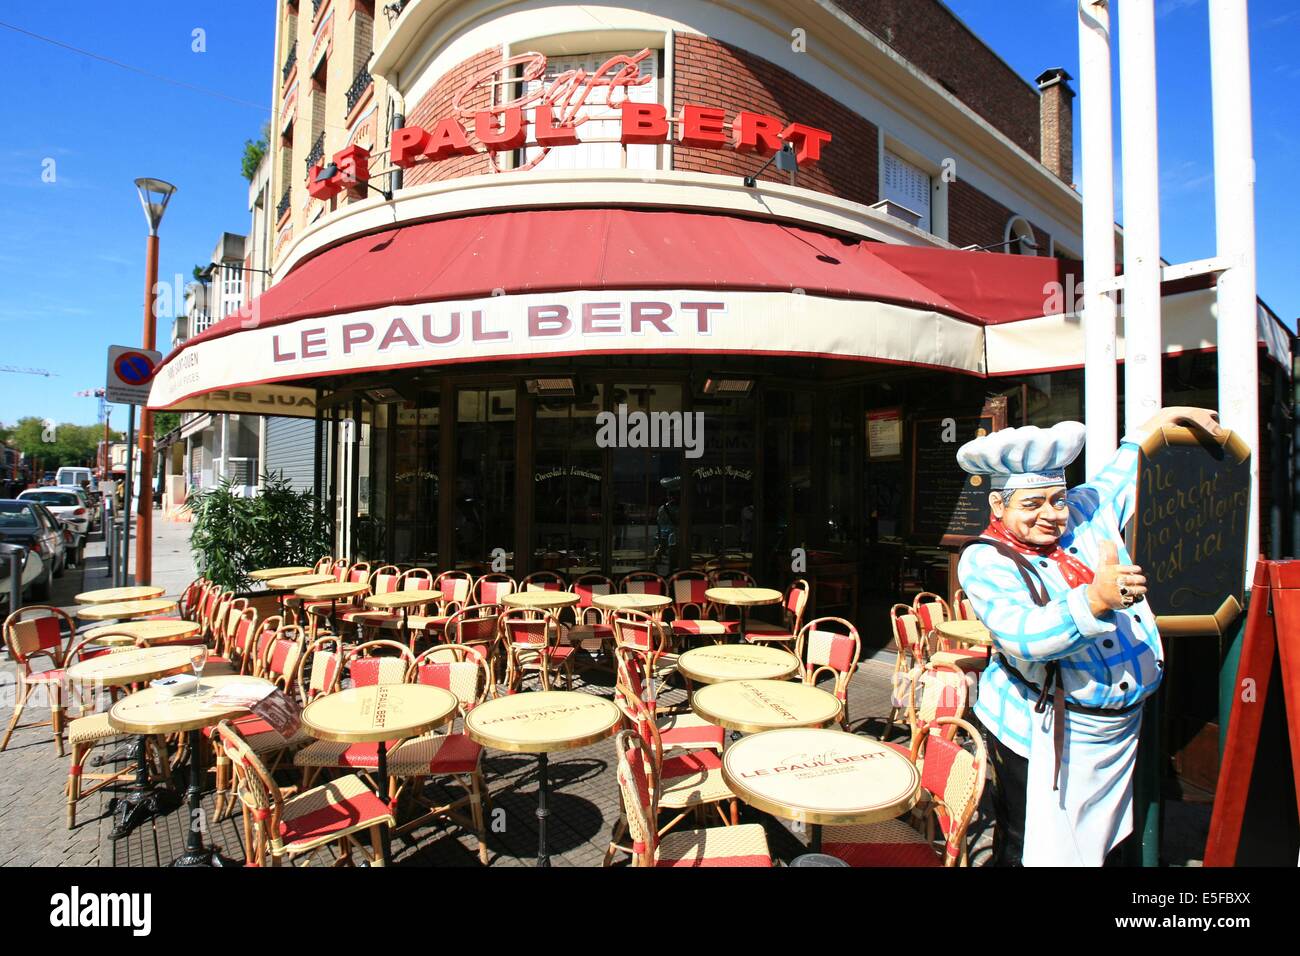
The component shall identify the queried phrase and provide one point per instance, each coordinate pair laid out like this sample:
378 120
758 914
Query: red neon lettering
482 335
703 126
651 313
409 144
397 331
453 330
549 133
448 139
644 123
590 316
756 133
702 310
353 163
313 343
276 354
807 141
354 333
510 136
549 320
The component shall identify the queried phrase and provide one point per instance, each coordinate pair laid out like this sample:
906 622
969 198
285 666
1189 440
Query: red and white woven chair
39 633
543 581
962 609
931 611
692 609
792 608
320 669
829 645
531 642
910 652
491 588
458 669
936 691
639 786
476 626
319 611
648 635
643 582
676 731
953 772
590 630
239 646
276 828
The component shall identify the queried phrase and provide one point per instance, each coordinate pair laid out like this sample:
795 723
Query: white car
70 509
92 505
69 475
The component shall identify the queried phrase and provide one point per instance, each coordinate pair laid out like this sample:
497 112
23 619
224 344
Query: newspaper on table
266 701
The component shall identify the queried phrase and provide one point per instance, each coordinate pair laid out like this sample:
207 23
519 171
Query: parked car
70 508
68 475
94 504
31 525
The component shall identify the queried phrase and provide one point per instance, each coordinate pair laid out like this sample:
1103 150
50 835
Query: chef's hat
1028 457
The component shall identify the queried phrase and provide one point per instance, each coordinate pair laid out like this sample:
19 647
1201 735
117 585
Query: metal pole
1143 346
144 507
1234 224
1099 374
110 540
15 578
125 569
1295 448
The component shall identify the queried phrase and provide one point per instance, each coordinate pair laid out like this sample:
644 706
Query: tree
253 153
164 422
64 444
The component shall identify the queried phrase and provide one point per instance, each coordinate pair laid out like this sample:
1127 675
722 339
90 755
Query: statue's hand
1114 585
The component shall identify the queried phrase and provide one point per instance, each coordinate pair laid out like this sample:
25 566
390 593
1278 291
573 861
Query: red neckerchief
1072 569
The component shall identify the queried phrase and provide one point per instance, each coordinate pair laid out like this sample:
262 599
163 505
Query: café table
403 600
816 777
140 592
379 714
151 632
332 591
753 706
743 598
541 723
727 662
151 712
270 574
291 582
121 669
652 604
540 600
966 632
125 610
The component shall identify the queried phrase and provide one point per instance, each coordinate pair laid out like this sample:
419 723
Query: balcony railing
283 205
289 61
359 86
317 151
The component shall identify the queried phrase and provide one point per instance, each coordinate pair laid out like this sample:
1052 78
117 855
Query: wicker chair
792 608
693 613
821 650
531 642
33 633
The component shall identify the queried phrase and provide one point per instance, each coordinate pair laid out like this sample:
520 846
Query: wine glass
198 660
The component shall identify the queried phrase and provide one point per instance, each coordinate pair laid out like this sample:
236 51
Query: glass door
568 485
646 458
483 511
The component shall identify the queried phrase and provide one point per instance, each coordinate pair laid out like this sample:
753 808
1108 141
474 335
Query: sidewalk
173 562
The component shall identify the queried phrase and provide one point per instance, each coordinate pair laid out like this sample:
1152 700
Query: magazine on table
265 700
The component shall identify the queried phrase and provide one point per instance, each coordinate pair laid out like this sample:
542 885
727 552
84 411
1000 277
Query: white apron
1092 811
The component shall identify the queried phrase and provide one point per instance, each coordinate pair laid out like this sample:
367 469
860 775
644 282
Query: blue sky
71 266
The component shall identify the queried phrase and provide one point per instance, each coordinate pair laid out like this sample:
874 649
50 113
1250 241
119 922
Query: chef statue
1075 649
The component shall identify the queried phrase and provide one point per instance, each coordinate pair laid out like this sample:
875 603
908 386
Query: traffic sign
130 374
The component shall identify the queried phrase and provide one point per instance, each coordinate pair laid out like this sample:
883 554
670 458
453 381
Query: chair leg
56 717
377 842
476 812
79 752
25 691
620 827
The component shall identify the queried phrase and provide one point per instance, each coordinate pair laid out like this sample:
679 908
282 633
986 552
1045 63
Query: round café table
652 604
540 600
151 712
293 581
753 706
726 662
821 776
403 600
113 595
269 574
379 714
331 592
125 610
151 632
966 632
744 598
119 670
542 722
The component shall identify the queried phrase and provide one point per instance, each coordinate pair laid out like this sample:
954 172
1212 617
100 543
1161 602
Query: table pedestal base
543 812
145 800
196 854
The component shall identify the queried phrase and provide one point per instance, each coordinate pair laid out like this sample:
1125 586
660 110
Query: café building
676 284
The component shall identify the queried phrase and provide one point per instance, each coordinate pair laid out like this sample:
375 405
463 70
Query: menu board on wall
884 433
948 505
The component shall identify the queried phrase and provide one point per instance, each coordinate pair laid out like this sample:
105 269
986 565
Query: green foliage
254 150
233 535
164 422
72 444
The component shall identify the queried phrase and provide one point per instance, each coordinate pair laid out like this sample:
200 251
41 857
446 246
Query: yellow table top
965 632
295 581
540 600
382 712
155 632
267 574
542 721
140 592
631 602
123 610
400 599
335 590
752 706
131 667
713 665
821 776
150 712
743 597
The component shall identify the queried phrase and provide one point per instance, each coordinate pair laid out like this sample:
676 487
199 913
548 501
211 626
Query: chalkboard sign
1188 530
948 505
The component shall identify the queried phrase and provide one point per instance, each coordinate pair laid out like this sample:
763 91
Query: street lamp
154 196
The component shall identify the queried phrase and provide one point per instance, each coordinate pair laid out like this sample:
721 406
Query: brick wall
927 34
436 104
975 219
709 73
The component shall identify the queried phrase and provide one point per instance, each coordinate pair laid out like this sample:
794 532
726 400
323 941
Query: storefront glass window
722 490
645 515
484 509
568 482
787 477
415 482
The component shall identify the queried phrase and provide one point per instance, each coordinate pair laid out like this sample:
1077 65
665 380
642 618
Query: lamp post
154 196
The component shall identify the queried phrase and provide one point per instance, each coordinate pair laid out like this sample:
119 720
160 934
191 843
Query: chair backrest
953 770
526 628
828 645
630 680
207 604
908 637
320 669
643 582
962 609
476 625
588 586
795 603
456 668
638 782
223 631
358 573
385 579
939 691
375 663
638 630
687 590
491 588
239 644
731 578
38 631
282 656
257 791
543 581
324 565
417 579
453 589
189 602
265 637
931 610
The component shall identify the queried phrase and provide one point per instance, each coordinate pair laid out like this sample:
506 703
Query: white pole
1141 176
1234 219
1099 376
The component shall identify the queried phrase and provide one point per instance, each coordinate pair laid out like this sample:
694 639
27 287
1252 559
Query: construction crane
27 371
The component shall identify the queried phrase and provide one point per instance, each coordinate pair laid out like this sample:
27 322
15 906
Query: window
568 483
908 185
1019 237
484 506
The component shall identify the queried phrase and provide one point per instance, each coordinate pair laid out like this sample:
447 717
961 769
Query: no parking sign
130 374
